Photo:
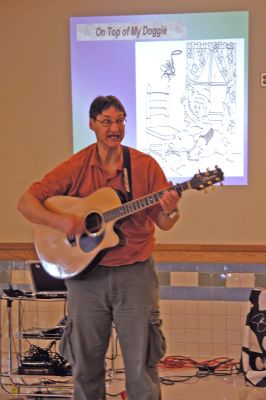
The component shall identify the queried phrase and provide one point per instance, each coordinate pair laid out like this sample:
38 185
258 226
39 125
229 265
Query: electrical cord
46 355
221 366
186 362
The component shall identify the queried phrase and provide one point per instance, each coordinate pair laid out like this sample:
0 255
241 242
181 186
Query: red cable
185 362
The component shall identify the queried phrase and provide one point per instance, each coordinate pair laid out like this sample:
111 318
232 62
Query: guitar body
64 257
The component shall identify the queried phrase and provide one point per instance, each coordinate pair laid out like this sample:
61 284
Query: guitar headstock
202 180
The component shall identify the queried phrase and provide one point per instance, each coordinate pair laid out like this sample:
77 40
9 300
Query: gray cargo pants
129 297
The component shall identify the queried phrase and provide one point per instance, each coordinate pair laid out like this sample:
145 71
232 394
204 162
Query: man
123 289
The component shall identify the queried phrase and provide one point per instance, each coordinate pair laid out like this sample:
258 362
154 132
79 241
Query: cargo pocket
65 347
156 342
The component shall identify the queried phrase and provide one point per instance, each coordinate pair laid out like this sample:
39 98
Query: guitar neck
199 182
141 203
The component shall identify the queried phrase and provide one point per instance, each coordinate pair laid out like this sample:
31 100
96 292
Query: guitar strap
127 172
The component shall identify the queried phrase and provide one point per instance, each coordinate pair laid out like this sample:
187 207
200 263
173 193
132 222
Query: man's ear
91 124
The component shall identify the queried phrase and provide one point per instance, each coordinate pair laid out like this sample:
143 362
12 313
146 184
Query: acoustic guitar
65 256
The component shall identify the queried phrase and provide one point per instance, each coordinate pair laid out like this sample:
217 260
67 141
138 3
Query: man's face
109 127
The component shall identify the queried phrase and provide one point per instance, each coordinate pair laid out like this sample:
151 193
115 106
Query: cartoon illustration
193 122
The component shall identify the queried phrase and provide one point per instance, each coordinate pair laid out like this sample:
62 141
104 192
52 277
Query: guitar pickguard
88 243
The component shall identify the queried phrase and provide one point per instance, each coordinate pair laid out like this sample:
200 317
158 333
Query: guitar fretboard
139 204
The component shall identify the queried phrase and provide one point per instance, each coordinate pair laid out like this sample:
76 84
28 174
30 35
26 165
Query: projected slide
190 110
183 81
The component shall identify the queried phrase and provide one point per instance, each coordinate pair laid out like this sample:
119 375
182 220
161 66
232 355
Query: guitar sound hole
93 223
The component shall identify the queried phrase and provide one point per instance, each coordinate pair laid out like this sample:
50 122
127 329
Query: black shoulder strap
127 170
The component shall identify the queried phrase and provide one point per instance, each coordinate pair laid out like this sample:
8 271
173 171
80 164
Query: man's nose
114 126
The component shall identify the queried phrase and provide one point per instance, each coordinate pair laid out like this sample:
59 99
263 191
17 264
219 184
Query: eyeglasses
108 122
